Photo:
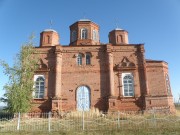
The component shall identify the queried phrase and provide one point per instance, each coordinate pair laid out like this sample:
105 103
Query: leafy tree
18 95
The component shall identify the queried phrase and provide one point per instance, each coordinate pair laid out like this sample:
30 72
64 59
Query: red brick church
87 74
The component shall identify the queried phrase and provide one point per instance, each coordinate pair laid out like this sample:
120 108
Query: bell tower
118 36
84 32
49 37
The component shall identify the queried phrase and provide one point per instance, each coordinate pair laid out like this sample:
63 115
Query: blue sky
156 23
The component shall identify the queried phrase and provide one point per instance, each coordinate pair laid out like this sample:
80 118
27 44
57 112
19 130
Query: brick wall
149 78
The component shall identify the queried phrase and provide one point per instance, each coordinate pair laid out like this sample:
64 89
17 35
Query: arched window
84 33
168 85
39 87
88 58
79 59
47 39
119 39
94 35
83 98
73 35
128 85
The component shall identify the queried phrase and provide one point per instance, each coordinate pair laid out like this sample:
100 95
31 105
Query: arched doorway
83 98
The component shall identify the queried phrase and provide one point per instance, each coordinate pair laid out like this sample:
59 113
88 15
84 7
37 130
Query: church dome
46 30
118 28
49 37
85 20
84 32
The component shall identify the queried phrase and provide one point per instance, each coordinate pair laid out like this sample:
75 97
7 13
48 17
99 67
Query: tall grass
98 123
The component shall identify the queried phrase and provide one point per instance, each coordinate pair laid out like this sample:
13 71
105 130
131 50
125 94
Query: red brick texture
103 76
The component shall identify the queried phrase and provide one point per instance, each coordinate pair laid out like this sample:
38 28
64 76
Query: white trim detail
129 85
84 33
35 78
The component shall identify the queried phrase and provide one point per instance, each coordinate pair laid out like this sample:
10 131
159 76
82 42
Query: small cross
84 15
116 22
50 23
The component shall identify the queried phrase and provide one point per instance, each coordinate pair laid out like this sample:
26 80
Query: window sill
38 98
85 65
127 98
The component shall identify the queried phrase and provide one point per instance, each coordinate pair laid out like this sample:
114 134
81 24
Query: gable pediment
42 65
125 64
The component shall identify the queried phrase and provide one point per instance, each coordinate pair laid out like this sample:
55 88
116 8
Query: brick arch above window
76 55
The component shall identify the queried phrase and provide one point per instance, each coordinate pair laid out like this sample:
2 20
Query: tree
18 95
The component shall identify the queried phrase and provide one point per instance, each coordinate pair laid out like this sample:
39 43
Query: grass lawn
169 127
104 132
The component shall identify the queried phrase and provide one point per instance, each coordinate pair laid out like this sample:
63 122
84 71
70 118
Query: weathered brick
103 76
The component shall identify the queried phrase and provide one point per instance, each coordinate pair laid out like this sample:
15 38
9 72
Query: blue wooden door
83 98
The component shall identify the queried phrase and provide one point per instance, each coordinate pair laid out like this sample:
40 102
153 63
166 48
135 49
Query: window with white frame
39 86
88 58
84 33
128 84
94 35
97 35
73 35
79 59
168 85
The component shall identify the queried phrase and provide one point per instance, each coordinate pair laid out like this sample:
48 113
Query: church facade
87 74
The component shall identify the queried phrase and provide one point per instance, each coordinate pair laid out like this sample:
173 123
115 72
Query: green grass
160 128
105 132
169 127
